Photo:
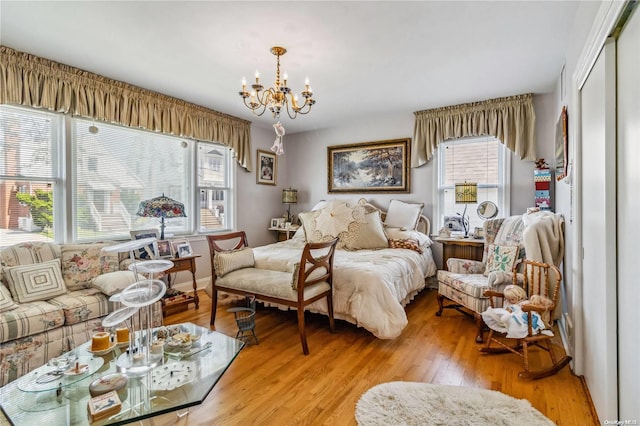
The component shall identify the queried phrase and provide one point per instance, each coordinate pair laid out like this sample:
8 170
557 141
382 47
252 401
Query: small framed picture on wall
266 168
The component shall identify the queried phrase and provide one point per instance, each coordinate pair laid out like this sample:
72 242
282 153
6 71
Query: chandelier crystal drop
278 97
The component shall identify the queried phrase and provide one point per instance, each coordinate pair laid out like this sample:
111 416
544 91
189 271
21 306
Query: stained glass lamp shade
161 207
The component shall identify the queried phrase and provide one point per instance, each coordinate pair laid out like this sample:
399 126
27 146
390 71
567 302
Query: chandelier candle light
466 193
279 96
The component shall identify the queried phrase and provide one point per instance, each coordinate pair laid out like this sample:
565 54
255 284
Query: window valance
33 81
510 119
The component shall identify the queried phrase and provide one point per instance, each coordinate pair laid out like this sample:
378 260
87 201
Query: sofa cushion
39 281
6 302
472 284
28 253
28 319
82 305
232 260
114 282
83 262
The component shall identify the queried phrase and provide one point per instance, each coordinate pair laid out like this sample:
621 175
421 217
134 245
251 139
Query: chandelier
278 97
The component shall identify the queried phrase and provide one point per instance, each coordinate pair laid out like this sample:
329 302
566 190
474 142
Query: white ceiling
362 58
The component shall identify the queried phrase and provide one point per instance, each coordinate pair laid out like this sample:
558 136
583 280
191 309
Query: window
213 180
108 173
482 160
30 175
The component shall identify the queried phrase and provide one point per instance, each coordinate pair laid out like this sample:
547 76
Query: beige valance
33 81
511 120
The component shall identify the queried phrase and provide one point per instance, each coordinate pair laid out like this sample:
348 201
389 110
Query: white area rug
410 403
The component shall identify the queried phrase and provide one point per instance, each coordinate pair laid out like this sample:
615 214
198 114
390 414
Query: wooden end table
461 248
176 298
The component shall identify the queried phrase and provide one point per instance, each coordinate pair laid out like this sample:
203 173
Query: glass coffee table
184 379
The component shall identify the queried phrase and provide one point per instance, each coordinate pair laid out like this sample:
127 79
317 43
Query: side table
177 298
285 233
461 248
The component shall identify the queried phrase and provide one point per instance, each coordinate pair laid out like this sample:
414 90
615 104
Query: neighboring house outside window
483 160
111 171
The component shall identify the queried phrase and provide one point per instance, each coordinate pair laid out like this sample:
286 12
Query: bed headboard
424 225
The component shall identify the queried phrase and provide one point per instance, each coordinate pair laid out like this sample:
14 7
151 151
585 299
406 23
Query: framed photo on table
164 249
148 252
277 222
181 248
266 168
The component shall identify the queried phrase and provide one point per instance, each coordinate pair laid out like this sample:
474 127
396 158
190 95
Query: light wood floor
274 384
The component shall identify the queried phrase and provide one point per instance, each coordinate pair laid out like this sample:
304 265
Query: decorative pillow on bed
399 234
500 258
403 215
367 235
409 243
6 302
232 260
337 219
39 281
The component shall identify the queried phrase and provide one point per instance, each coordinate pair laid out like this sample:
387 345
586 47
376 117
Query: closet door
598 208
628 67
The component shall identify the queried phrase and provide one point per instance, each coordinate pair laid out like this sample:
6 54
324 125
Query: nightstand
285 233
461 248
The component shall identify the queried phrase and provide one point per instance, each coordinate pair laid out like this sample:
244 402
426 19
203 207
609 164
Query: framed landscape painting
381 166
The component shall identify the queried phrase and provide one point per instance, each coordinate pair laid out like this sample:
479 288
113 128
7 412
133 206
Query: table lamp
466 193
289 196
161 207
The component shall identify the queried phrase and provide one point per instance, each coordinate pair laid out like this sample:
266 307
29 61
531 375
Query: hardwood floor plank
273 383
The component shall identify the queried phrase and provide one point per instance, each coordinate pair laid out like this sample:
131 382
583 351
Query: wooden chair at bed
536 281
233 272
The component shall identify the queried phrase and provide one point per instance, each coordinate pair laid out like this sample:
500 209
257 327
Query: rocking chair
535 280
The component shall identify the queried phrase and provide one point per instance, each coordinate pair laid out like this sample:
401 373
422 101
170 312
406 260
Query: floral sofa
52 297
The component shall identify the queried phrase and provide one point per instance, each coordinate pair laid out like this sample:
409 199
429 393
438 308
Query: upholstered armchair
463 284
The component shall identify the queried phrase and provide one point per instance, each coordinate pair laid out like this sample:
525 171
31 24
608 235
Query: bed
372 282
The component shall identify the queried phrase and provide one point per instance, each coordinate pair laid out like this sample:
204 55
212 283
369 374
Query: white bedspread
370 287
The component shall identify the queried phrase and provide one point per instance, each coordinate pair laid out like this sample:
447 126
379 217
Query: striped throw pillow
232 260
40 281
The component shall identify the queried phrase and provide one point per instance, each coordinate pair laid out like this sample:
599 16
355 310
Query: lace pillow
232 260
368 234
39 281
337 219
500 258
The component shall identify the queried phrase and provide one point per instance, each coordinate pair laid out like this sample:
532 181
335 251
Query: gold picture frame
381 166
266 168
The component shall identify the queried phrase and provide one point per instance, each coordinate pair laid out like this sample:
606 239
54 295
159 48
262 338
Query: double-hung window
86 183
31 175
481 160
